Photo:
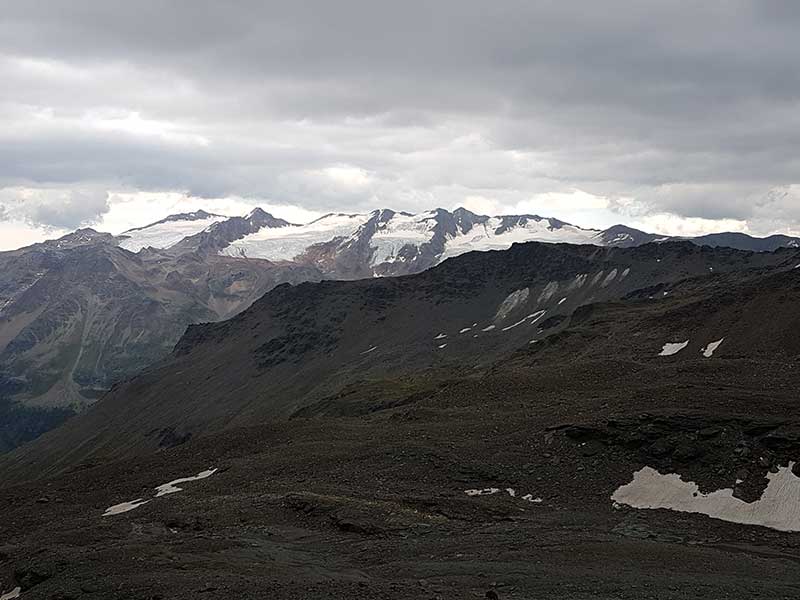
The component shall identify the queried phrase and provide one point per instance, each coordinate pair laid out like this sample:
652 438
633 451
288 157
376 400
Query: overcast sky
676 117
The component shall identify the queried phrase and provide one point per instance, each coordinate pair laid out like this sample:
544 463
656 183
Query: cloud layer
671 114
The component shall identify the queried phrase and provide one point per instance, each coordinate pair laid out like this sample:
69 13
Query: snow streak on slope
286 243
399 231
491 235
165 234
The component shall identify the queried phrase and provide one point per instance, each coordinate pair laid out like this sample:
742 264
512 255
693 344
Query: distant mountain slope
743 241
76 318
298 350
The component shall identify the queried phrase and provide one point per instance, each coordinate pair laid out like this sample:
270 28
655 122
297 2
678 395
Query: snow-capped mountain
386 242
168 232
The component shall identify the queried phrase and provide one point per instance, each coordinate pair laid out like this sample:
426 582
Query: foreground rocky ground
374 506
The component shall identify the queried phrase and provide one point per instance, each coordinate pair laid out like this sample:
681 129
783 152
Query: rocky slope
78 315
318 347
355 439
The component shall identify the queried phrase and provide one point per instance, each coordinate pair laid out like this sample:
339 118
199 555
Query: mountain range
547 421
90 309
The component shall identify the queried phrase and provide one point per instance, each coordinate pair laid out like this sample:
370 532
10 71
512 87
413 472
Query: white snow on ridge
286 243
671 348
709 350
778 508
401 230
483 236
165 235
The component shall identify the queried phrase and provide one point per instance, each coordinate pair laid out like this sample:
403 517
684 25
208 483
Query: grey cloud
55 208
688 107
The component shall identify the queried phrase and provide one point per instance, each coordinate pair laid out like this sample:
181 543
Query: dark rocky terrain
345 439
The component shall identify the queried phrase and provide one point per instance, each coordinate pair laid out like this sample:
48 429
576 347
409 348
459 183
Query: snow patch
489 328
124 507
625 273
12 594
465 330
441 346
483 492
671 348
778 508
441 336
709 350
510 491
530 498
560 302
172 486
372 349
535 316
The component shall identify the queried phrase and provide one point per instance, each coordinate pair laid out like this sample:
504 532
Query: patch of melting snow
535 316
489 328
671 348
778 508
483 492
514 325
709 350
442 346
625 273
172 486
12 594
510 491
530 498
560 302
370 350
124 507
162 490
465 330
441 336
